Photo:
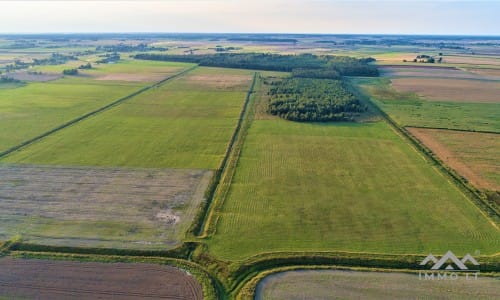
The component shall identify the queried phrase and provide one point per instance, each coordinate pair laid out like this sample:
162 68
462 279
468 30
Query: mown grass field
407 109
185 123
334 284
356 187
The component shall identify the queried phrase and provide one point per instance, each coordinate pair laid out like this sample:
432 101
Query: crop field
99 207
356 187
410 110
199 151
430 72
31 109
134 71
333 284
446 89
474 155
185 123
43 279
491 73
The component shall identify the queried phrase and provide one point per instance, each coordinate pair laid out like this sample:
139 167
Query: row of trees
304 65
317 100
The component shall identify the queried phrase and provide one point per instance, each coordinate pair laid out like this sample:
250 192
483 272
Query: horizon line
251 33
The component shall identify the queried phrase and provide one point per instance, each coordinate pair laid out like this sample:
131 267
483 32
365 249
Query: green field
408 109
334 284
185 123
356 187
34 108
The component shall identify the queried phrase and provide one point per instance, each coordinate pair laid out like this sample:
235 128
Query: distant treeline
129 48
304 65
317 100
54 59
262 40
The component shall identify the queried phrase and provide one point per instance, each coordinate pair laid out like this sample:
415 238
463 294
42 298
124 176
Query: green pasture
176 125
357 187
407 109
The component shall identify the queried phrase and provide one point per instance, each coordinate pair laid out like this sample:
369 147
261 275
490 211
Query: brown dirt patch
220 81
132 77
473 155
25 76
459 90
42 279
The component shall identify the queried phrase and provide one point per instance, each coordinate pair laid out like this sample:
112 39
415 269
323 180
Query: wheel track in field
93 113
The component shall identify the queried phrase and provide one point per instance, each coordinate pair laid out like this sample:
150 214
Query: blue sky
279 16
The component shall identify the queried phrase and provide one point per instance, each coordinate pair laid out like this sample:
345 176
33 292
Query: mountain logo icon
450 260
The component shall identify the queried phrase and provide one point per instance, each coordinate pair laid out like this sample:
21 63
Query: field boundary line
489 211
452 129
93 113
226 169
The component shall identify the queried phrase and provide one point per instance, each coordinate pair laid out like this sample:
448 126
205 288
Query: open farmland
333 284
29 110
99 207
473 155
43 279
356 187
446 89
406 71
184 123
407 109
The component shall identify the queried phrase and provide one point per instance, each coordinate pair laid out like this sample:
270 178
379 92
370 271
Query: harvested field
474 155
471 59
97 207
489 73
451 89
42 279
428 72
333 284
25 76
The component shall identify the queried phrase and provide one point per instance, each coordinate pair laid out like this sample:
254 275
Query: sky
253 16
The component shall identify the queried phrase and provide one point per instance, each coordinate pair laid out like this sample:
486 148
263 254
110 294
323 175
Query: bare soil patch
25 76
460 90
42 279
99 207
473 155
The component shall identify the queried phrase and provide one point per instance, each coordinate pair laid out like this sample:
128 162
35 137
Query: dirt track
42 279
